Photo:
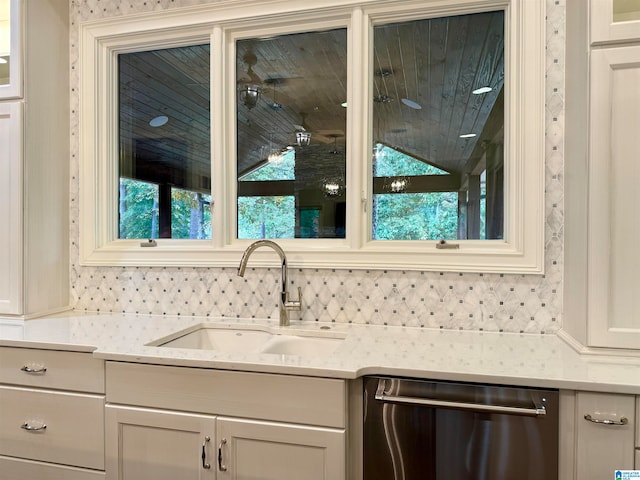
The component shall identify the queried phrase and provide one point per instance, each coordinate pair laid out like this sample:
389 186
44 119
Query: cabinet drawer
287 398
64 370
604 448
74 433
18 469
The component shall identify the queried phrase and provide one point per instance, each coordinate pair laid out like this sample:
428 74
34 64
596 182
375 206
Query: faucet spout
286 305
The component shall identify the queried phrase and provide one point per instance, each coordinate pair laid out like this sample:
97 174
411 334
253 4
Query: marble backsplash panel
470 301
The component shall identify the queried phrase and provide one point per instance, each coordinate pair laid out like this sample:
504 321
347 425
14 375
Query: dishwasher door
423 430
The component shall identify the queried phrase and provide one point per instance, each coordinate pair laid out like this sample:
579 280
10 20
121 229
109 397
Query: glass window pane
291 134
164 128
5 41
190 214
438 124
138 209
266 217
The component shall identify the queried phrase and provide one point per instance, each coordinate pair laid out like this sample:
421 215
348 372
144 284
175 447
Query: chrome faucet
286 305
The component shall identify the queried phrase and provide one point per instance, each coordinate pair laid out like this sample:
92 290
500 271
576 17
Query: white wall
510 303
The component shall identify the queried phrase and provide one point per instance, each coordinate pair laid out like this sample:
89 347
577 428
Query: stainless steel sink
252 339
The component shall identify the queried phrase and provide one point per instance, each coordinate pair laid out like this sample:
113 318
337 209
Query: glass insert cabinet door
10 68
626 10
291 135
165 147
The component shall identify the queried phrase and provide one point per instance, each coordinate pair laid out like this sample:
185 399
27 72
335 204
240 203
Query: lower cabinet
274 451
51 415
222 425
605 431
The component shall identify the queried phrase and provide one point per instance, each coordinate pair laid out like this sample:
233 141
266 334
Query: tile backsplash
469 301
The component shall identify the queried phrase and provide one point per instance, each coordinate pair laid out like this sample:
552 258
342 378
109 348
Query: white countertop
500 358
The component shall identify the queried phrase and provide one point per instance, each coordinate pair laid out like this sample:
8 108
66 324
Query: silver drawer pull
33 428
34 369
221 466
622 421
205 464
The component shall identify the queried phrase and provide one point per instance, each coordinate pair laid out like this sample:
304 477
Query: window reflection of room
291 135
438 127
164 138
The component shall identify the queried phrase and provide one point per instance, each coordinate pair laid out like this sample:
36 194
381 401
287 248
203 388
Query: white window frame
521 251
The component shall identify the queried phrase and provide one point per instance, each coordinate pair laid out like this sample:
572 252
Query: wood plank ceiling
433 63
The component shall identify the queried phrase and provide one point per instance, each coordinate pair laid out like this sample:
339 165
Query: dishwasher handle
536 411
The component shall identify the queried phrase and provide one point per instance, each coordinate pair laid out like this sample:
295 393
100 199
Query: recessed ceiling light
481 90
2 60
411 104
159 121
468 135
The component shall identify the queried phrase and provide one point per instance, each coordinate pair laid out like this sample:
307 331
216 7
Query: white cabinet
245 425
614 198
615 20
159 445
11 207
602 198
11 48
638 434
604 434
250 449
34 164
51 415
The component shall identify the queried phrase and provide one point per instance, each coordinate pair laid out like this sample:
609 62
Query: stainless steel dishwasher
427 430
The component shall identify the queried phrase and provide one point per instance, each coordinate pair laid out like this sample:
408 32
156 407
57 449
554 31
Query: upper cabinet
602 306
10 48
615 21
613 300
34 166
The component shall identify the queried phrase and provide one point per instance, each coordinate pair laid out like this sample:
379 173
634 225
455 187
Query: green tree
266 217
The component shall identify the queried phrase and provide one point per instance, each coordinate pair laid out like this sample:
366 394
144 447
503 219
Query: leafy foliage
139 210
266 217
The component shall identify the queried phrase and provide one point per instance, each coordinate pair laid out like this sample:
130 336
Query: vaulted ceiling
424 73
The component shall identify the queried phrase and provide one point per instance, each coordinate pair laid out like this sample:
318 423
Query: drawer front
287 398
18 469
32 367
604 448
74 433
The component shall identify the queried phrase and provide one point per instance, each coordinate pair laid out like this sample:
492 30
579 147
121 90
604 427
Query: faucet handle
294 304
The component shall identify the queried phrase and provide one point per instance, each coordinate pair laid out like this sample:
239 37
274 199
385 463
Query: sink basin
222 339
253 340
308 346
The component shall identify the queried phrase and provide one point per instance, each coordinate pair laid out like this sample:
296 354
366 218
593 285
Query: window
405 135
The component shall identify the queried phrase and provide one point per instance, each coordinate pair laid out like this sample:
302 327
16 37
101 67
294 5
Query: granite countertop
500 358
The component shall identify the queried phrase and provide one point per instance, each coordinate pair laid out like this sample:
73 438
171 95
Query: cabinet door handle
34 369
33 428
221 466
622 421
205 465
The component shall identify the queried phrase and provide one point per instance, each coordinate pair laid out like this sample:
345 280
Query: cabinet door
11 19
614 20
11 208
614 199
249 450
602 447
144 444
